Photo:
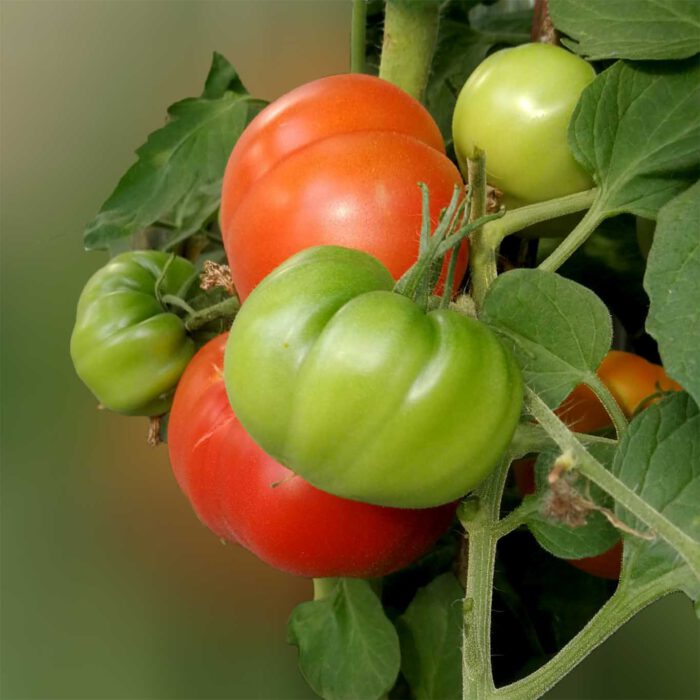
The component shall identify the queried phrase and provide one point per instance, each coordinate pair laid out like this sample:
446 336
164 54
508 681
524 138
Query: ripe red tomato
336 161
631 380
245 496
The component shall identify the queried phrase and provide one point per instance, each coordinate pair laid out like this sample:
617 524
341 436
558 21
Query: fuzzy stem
482 255
224 309
358 33
410 34
574 240
479 523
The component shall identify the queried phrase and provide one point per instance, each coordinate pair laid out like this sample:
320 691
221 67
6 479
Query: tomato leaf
430 632
659 457
636 128
636 29
558 330
177 177
348 649
672 281
595 537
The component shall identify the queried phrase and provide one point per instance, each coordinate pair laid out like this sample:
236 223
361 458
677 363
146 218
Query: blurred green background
110 586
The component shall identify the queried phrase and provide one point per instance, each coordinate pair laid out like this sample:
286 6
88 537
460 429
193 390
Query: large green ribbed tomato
516 106
126 346
363 393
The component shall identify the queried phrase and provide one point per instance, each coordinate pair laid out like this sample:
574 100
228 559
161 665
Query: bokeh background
110 586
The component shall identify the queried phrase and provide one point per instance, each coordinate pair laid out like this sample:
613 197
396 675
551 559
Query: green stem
357 36
574 240
623 605
224 309
516 518
517 219
323 587
587 465
476 640
611 406
531 438
410 34
482 255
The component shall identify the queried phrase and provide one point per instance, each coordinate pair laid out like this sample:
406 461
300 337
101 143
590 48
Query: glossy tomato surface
631 380
516 106
127 346
363 392
336 161
244 495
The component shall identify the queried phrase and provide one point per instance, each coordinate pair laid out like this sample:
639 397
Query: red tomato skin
244 495
606 565
337 161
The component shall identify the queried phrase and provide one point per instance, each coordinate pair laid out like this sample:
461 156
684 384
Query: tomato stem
623 605
410 35
323 587
574 240
515 220
479 524
482 255
224 309
611 406
357 36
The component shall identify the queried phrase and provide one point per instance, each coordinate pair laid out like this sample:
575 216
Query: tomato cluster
360 415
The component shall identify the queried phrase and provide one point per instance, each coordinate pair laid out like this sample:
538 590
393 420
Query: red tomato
244 495
631 379
336 161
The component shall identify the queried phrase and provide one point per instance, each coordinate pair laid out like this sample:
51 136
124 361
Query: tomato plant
358 382
127 346
336 161
516 107
246 496
357 389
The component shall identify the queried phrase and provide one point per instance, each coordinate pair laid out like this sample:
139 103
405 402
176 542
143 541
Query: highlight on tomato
335 161
243 495
516 106
633 382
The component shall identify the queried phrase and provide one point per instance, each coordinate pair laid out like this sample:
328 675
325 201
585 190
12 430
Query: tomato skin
128 349
336 161
361 392
631 380
245 496
516 106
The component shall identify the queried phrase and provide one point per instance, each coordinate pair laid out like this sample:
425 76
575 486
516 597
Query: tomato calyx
453 227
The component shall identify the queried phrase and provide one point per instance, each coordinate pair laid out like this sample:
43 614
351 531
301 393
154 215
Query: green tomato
363 393
127 348
516 107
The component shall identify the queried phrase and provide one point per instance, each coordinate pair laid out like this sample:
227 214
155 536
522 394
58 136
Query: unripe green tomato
126 347
361 392
516 107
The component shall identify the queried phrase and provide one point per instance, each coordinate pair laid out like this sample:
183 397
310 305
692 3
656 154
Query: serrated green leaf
430 632
672 281
177 177
635 29
636 128
596 536
348 649
659 458
558 330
